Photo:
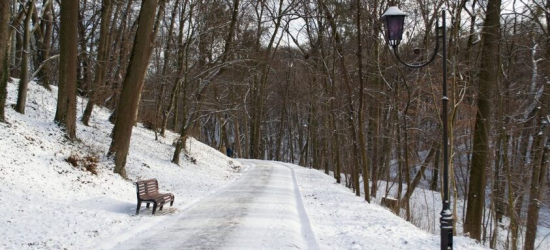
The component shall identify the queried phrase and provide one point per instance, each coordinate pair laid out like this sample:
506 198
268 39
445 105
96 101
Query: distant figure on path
229 152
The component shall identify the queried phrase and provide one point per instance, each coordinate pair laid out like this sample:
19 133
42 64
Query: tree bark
103 51
43 39
412 186
65 114
488 77
167 56
47 45
339 48
362 148
132 86
123 42
15 39
4 65
541 151
24 78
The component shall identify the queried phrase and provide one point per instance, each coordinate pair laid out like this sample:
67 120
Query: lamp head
394 20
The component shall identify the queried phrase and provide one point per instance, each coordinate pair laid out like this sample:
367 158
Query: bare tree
24 79
102 60
480 153
65 114
4 65
132 86
541 145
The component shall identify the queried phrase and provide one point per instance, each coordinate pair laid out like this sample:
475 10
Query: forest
313 82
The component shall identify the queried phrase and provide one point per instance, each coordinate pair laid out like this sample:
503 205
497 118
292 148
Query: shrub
87 163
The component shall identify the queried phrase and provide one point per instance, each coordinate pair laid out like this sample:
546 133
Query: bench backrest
146 187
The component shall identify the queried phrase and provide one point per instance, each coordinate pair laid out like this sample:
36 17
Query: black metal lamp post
394 20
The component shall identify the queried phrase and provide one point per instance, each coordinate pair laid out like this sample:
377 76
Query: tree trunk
541 152
513 245
123 43
84 70
132 86
488 77
43 40
47 45
435 172
339 48
362 148
65 114
4 65
538 176
167 56
15 39
24 79
412 186
103 51
183 50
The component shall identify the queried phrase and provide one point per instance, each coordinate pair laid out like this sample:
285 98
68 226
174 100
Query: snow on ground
47 203
341 220
426 208
261 210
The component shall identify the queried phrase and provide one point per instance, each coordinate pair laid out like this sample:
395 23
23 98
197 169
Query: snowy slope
47 203
341 220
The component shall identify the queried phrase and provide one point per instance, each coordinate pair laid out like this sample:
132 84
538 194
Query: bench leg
154 207
160 209
138 207
172 203
147 205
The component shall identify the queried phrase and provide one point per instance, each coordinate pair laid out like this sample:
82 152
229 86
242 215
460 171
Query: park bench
148 192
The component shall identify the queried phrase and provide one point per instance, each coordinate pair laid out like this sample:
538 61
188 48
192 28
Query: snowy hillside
47 203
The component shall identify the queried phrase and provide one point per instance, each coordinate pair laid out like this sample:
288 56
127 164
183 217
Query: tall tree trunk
279 143
412 186
4 65
43 39
513 245
339 48
538 176
360 126
24 79
123 43
102 60
15 39
167 56
541 151
488 77
47 45
435 172
182 72
132 86
84 70
65 114
180 143
497 196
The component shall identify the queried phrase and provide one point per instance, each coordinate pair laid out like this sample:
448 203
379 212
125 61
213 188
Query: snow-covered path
261 210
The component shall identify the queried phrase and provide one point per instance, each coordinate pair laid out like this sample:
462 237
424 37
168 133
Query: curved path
261 210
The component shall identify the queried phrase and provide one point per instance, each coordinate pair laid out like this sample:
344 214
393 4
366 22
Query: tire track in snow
307 232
